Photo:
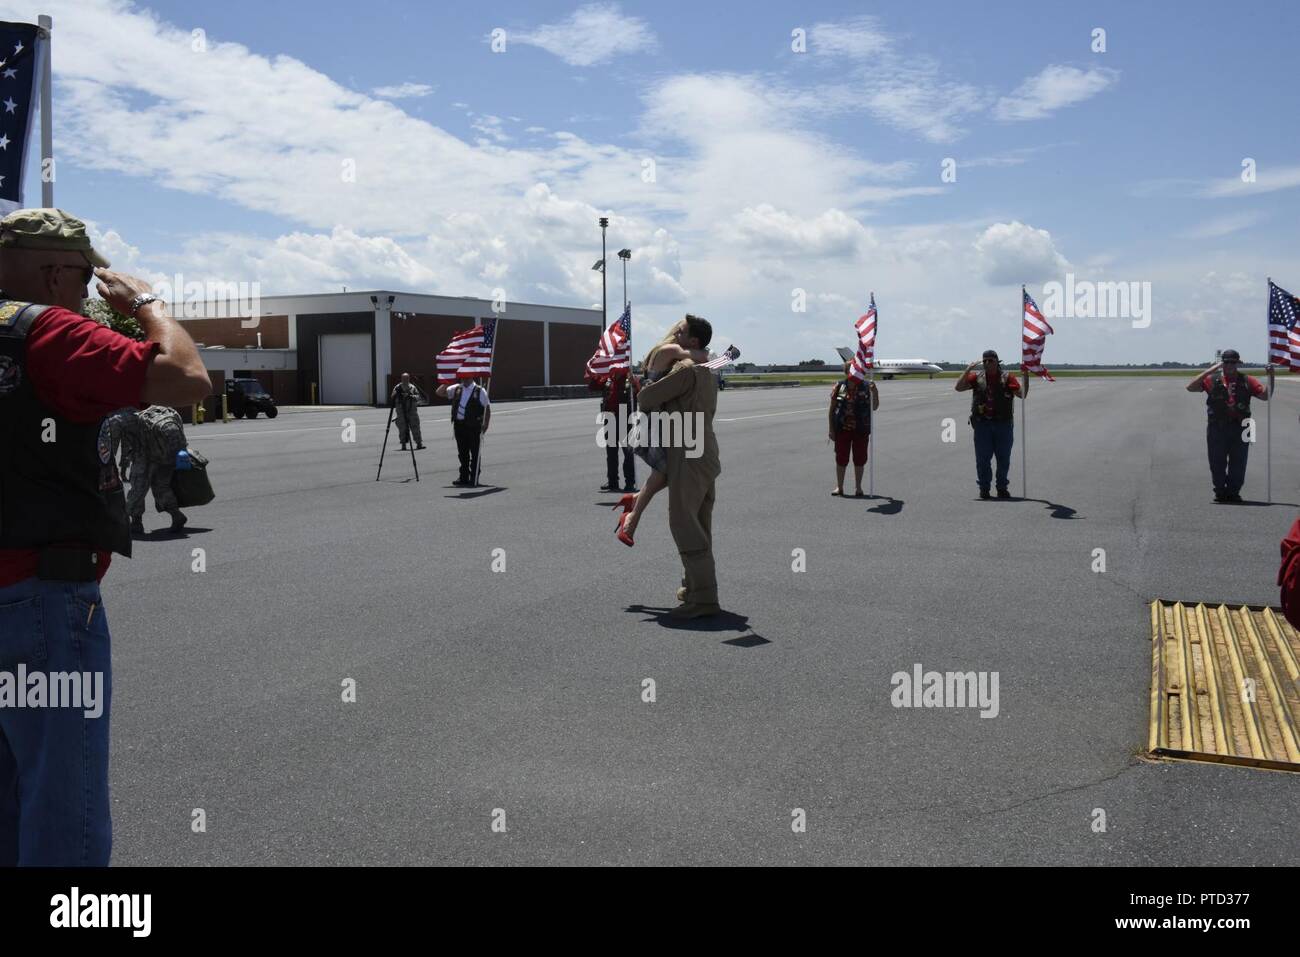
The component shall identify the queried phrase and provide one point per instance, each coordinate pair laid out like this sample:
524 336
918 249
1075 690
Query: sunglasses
87 272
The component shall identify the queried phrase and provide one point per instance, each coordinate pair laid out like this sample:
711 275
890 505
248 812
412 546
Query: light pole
625 255
604 322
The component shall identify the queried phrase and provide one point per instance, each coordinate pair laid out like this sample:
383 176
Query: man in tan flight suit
692 391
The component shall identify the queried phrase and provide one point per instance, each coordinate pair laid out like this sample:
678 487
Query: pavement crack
990 812
1113 580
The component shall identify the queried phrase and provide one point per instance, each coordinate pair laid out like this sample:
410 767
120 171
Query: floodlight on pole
604 322
625 255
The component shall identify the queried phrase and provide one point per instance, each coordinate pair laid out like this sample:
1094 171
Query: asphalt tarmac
516 696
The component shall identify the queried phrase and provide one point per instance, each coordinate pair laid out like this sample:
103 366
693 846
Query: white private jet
888 368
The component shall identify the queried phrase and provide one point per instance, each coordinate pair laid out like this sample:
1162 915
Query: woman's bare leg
655 483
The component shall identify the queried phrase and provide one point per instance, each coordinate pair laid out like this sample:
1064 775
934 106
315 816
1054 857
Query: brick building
350 348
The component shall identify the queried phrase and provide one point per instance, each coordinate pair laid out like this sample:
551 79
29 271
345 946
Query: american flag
866 354
1033 336
18 73
724 360
615 348
469 354
1283 336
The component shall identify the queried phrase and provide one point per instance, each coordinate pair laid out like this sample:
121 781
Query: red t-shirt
1013 384
83 371
1288 576
1256 388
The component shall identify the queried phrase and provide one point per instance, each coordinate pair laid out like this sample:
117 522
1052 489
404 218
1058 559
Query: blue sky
774 171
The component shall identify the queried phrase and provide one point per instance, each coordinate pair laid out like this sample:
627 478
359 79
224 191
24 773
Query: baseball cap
49 229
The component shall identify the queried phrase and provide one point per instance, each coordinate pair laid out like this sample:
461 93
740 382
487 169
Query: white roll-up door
345 371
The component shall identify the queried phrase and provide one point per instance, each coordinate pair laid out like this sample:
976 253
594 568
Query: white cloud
858 38
912 91
994 162
744 147
123 255
593 34
1268 179
403 91
1055 87
906 89
1016 253
1223 225
773 231
490 127
919 101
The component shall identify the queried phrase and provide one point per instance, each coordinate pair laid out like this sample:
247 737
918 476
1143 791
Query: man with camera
406 399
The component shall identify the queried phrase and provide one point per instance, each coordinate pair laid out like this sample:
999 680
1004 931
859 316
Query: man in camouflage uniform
125 433
152 445
406 399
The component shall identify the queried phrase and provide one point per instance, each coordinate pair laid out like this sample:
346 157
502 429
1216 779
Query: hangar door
345 371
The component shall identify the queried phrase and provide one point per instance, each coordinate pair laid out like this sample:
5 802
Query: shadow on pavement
478 492
887 506
724 621
1058 510
164 534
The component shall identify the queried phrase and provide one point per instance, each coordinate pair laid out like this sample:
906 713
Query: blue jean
54 808
1228 454
993 438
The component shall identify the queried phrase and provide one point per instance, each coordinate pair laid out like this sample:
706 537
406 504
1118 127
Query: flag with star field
18 98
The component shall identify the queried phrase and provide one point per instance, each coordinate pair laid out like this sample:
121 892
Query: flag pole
604 270
871 437
1024 407
631 382
1268 468
1268 471
487 390
46 25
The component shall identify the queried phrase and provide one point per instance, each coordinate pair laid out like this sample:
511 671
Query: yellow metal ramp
1225 685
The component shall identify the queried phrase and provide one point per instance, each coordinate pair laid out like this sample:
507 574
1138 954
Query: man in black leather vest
62 514
1229 427
992 416
471 413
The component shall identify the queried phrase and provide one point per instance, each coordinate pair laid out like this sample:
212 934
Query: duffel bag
191 485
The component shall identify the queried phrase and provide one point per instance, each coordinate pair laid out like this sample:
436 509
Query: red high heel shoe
626 503
623 536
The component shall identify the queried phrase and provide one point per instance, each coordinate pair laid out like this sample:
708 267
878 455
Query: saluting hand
118 289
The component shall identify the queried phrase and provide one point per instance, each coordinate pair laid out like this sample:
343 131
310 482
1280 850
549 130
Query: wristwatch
141 300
